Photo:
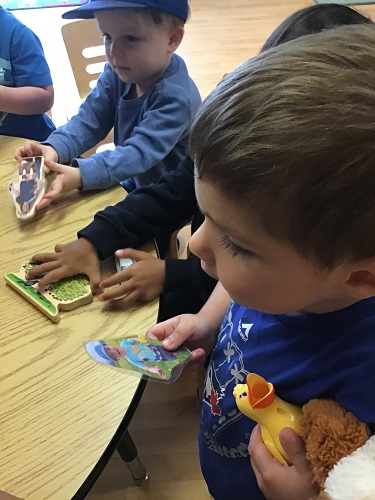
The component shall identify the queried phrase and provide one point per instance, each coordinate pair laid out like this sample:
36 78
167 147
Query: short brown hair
291 134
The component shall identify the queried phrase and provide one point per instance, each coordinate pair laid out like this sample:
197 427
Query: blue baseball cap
96 350
178 8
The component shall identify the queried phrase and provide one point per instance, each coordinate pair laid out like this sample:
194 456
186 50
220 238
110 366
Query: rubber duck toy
257 400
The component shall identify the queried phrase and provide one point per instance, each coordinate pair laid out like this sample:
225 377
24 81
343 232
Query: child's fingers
294 447
261 457
116 292
161 331
132 253
54 275
173 332
55 167
198 357
18 154
94 277
37 271
130 300
44 202
53 193
116 279
43 257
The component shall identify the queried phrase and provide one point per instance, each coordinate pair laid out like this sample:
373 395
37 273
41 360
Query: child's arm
162 127
154 211
150 212
79 256
92 123
31 90
277 481
197 331
26 100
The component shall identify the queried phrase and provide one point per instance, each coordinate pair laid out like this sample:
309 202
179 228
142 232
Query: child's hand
79 256
140 282
277 481
191 330
67 179
32 148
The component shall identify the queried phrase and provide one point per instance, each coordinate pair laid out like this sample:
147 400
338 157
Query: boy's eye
106 38
130 39
233 249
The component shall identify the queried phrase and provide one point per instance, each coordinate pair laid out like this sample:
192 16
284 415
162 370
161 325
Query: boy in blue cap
144 92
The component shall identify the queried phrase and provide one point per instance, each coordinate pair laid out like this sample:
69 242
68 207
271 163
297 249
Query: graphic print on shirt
224 372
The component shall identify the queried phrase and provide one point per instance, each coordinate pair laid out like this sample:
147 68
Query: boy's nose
115 49
200 244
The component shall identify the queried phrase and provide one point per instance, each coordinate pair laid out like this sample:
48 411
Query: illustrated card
62 295
145 357
28 186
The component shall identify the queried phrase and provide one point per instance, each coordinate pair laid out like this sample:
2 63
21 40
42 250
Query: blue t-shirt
22 64
304 356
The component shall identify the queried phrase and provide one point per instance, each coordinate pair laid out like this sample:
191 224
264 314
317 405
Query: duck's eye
243 395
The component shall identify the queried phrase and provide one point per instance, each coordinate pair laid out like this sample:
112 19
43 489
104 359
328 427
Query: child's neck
332 305
147 85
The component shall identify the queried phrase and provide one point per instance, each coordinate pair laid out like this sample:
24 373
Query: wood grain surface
58 408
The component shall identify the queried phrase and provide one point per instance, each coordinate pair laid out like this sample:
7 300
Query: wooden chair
85 49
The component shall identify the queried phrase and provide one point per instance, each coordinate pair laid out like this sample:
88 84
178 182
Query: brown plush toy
332 435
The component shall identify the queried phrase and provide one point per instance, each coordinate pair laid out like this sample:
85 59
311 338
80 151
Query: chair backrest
85 49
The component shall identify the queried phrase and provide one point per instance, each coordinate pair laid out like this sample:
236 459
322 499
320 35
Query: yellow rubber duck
257 400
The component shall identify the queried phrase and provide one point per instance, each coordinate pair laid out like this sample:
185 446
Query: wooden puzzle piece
28 186
63 295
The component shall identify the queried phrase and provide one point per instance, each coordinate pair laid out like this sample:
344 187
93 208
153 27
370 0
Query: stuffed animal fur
340 450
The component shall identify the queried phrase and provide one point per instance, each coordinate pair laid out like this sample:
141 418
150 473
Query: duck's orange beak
261 393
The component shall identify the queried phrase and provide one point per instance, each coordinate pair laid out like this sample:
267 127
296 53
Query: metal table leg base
138 471
128 452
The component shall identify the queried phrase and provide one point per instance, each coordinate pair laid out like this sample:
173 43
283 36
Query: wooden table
59 409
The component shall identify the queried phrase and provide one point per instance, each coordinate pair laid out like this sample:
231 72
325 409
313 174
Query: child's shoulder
8 19
177 85
12 28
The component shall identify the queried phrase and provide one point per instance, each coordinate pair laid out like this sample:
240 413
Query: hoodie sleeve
153 211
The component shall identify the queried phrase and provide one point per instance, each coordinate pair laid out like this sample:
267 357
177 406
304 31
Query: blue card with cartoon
145 357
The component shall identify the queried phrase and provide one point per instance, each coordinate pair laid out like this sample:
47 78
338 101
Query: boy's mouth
207 270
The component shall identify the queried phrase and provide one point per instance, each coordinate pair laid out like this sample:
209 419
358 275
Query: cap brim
87 10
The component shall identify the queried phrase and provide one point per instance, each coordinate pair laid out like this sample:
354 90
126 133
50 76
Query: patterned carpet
37 4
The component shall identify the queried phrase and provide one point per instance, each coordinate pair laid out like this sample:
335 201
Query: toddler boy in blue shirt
26 90
284 173
144 92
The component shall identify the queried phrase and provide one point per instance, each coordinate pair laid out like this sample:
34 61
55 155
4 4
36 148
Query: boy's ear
361 281
176 36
